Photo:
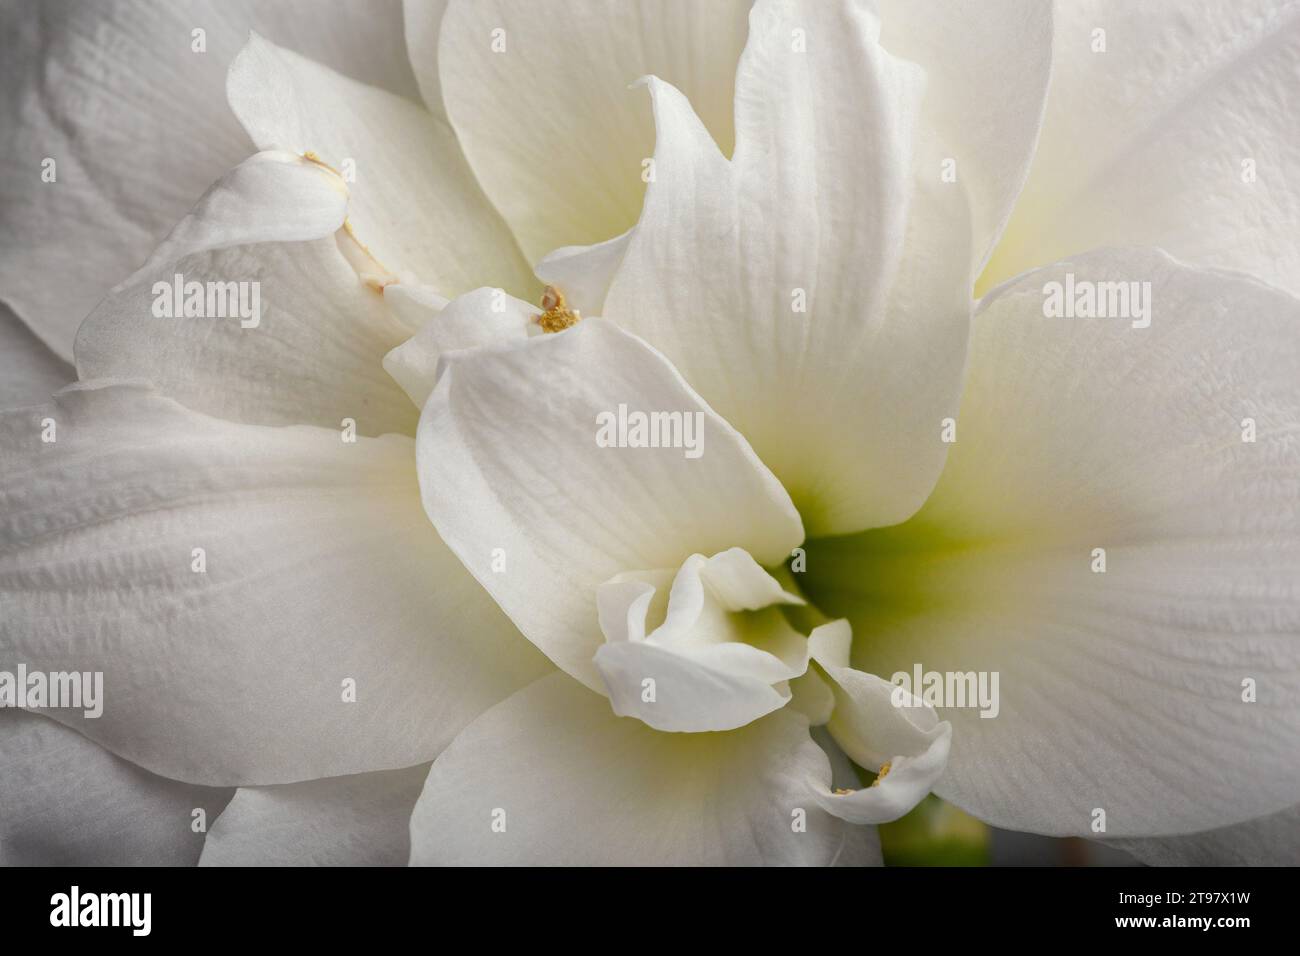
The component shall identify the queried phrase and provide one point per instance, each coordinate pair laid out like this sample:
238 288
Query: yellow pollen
840 791
884 772
556 316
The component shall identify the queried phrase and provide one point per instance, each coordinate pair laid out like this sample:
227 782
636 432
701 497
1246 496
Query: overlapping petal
1179 134
898 737
322 629
987 64
518 486
482 317
311 347
66 801
814 289
551 777
270 197
422 23
134 118
415 203
538 95
1164 690
29 372
358 820
704 649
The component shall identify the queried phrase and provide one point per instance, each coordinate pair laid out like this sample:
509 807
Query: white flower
796 276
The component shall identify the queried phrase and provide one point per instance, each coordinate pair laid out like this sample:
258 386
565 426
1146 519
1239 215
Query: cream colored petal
537 91
1164 689
551 777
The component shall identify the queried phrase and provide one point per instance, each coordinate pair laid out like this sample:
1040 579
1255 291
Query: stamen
313 157
368 269
556 316
884 772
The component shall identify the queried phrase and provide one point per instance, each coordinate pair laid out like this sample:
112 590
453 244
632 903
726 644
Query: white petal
717 657
741 585
136 124
548 123
1123 690
832 643
65 801
585 272
844 401
312 346
319 570
907 782
414 201
871 728
422 26
987 66
1156 140
29 372
270 197
868 721
575 785
690 695
414 305
358 820
812 697
481 317
1267 841
515 482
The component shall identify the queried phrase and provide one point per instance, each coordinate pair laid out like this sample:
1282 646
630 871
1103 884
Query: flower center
556 316
704 648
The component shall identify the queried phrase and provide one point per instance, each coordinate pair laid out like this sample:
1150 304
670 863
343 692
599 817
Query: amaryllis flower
565 450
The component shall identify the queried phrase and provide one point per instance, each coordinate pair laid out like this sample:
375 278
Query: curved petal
1180 135
538 94
29 372
481 317
516 480
414 201
734 685
1266 841
896 735
1123 690
551 777
270 197
987 65
722 654
585 272
422 24
414 305
322 630
813 289
287 333
905 783
358 820
65 801
872 721
135 122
